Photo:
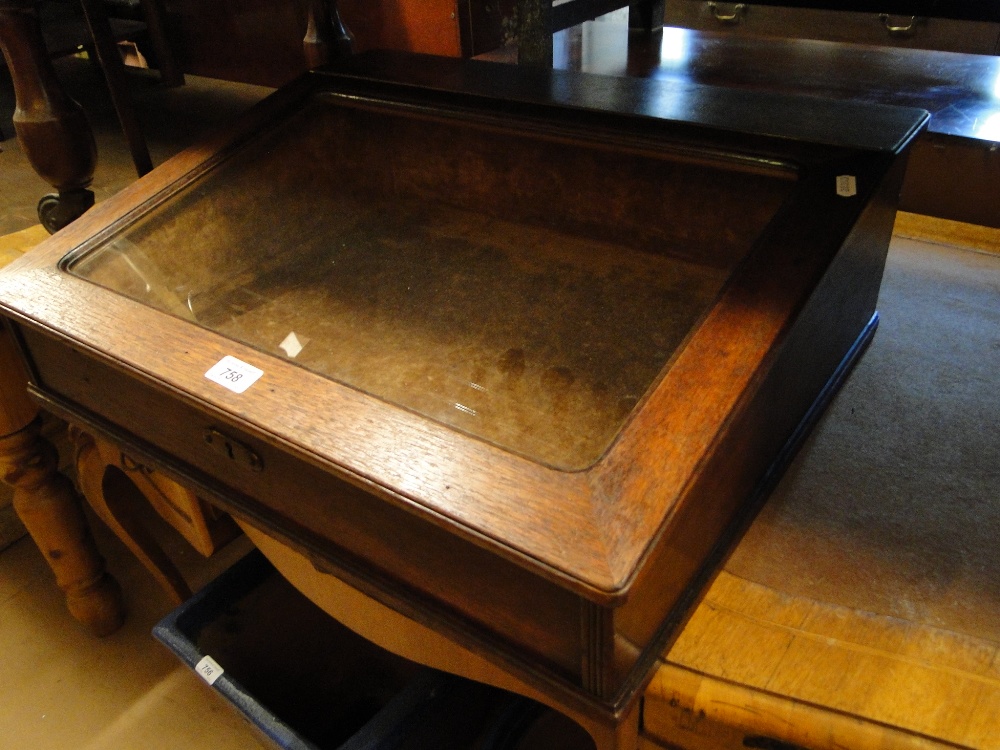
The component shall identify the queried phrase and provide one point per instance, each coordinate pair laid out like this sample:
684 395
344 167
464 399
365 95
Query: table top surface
960 91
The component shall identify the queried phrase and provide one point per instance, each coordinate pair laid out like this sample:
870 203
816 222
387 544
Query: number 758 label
234 374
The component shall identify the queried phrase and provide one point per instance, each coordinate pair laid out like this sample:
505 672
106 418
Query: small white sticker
209 670
234 374
847 186
291 345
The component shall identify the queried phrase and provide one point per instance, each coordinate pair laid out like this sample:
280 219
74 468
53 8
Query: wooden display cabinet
515 353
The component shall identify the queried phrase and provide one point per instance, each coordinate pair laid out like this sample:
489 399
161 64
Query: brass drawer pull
233 449
896 30
727 12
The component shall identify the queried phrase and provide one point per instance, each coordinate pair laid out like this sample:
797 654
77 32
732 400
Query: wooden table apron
574 581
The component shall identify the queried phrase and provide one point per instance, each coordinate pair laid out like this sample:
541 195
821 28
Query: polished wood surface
572 582
971 10
958 90
954 168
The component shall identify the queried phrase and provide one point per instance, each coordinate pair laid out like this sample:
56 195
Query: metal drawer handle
735 15
896 30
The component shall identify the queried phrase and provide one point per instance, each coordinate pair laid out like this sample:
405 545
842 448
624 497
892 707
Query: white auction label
234 374
291 345
847 185
209 669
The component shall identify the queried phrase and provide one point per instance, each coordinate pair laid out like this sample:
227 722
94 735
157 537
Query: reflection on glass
675 49
989 130
523 290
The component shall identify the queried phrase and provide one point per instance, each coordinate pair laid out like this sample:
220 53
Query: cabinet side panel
760 441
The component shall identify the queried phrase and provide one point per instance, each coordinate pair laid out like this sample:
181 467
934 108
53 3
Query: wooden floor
63 689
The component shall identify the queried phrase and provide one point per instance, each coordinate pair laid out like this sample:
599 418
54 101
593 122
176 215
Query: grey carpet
893 504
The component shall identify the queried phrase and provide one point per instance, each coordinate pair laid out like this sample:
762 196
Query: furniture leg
538 20
111 501
326 36
51 127
114 74
417 642
534 32
116 486
646 15
47 504
153 13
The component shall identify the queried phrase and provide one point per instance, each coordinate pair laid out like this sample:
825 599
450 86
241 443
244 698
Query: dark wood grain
571 580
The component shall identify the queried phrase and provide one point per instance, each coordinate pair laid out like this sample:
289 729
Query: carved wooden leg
112 502
326 37
117 486
47 504
51 127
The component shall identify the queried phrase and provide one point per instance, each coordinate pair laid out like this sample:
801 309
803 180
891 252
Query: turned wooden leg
48 505
326 37
52 128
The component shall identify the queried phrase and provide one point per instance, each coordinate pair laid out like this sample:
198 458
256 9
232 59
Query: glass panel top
329 243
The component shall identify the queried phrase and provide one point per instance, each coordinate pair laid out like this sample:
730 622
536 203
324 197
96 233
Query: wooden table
548 494
954 168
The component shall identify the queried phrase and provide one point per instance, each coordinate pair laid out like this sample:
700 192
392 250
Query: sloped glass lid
523 288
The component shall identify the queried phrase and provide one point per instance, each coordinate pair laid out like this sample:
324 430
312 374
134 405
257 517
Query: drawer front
408 561
954 178
973 37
